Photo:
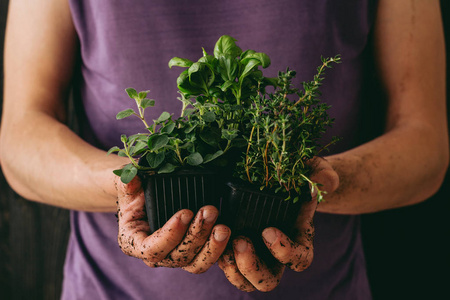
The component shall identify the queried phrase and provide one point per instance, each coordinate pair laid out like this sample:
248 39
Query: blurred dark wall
407 250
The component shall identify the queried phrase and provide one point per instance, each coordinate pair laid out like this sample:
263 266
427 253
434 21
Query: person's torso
128 44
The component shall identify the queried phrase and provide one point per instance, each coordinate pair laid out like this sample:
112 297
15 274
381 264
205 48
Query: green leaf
123 138
209 116
128 173
143 94
228 68
163 117
132 93
201 76
139 137
211 136
210 157
252 63
122 153
139 146
210 60
261 57
271 81
180 62
167 168
112 150
125 113
168 128
156 142
188 111
147 103
185 145
226 46
227 84
185 86
215 92
194 159
118 172
189 129
246 53
229 134
155 159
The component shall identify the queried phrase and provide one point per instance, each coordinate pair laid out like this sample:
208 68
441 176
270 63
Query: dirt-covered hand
192 244
248 272
245 270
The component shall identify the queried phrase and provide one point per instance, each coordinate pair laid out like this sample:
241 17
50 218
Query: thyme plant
282 135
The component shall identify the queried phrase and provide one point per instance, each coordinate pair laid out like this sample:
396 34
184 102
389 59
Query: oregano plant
193 139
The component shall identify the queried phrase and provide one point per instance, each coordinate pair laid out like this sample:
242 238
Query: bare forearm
407 164
41 158
402 167
51 164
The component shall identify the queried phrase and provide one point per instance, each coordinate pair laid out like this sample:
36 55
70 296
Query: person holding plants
121 45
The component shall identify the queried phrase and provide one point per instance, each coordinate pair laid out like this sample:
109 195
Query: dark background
407 249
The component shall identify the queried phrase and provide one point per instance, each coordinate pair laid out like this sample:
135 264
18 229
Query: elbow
2 143
5 168
444 164
439 170
7 159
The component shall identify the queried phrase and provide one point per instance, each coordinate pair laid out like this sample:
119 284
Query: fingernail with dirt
269 235
209 216
221 235
186 218
241 246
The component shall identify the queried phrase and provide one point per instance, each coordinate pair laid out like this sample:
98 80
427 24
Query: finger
130 199
211 251
195 238
324 174
228 265
155 247
304 225
158 245
253 268
133 225
295 255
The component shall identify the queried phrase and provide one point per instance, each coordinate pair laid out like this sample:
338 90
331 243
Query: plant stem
247 159
127 152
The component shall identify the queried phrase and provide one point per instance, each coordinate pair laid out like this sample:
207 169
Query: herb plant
284 133
229 77
214 91
228 119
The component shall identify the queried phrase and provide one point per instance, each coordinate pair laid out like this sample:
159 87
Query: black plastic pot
245 209
251 210
165 194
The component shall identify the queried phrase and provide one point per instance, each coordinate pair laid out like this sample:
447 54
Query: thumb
324 174
127 192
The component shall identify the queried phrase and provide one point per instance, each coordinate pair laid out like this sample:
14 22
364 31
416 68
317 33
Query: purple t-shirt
129 43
